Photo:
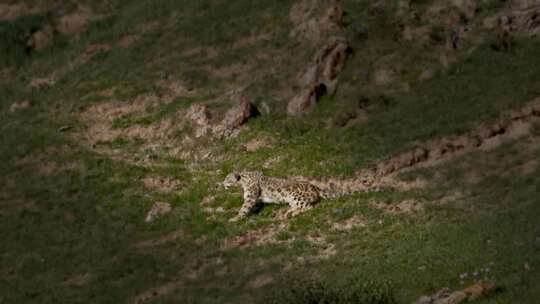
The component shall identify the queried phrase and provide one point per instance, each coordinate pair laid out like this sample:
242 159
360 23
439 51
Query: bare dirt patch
350 223
43 163
51 79
78 280
529 167
309 24
207 52
161 240
511 126
158 209
16 106
450 198
252 39
231 71
9 12
260 281
40 83
255 237
258 143
468 294
271 162
191 271
212 210
484 138
325 251
472 176
406 206
208 200
162 184
127 41
159 291
47 168
176 88
76 21
100 119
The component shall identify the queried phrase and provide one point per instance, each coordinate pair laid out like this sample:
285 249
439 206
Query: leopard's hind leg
300 204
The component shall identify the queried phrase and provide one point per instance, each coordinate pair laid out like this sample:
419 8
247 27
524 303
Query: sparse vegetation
74 168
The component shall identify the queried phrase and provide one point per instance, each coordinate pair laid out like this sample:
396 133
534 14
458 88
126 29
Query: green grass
87 221
471 93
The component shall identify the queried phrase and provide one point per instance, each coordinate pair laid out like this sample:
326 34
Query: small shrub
308 290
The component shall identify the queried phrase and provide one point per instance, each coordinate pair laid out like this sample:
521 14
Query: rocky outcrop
239 114
71 24
41 39
323 31
199 117
198 114
158 209
313 28
468 294
511 126
235 117
305 101
521 19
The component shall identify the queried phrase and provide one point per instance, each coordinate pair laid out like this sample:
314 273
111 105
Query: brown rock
41 39
18 106
476 290
39 83
305 101
522 18
333 60
158 209
75 22
331 18
426 75
239 114
446 297
198 114
9 12
383 77
320 77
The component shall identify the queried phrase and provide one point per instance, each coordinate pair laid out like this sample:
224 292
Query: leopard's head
231 180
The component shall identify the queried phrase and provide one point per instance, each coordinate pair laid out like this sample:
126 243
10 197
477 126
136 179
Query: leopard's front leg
251 195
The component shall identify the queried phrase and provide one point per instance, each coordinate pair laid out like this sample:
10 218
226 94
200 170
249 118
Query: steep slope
119 119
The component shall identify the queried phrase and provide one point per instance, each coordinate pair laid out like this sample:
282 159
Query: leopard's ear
237 176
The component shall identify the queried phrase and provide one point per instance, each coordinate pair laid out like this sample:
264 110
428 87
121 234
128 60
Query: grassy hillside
94 130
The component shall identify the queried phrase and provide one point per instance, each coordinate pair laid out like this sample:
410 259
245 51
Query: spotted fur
300 196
